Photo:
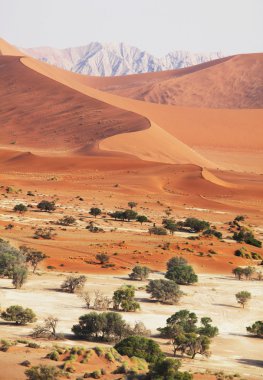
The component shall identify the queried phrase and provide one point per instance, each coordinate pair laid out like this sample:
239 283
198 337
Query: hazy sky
157 26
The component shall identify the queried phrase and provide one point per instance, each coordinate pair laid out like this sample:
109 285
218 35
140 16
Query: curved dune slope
160 147
182 132
212 132
40 113
233 82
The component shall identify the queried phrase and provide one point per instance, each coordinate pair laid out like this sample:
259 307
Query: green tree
142 219
256 329
167 369
196 224
184 319
170 225
42 372
95 211
186 337
130 215
123 299
248 237
132 204
176 261
102 258
238 272
117 215
182 274
10 258
240 218
72 283
211 232
140 273
33 256
107 326
46 206
21 208
19 315
19 276
248 272
141 347
157 231
243 297
66 220
207 329
164 291
12 264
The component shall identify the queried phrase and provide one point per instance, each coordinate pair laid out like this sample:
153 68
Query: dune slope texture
47 108
233 82
40 113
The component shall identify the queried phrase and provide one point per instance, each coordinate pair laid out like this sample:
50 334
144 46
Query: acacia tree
176 261
66 220
46 206
19 276
12 264
170 225
142 219
140 347
95 211
107 327
21 208
72 283
238 272
164 291
32 256
243 297
182 274
140 273
102 258
196 224
123 299
256 329
19 315
168 369
129 215
48 329
132 204
186 337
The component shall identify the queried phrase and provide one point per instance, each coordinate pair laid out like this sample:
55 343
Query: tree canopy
186 336
46 206
182 274
123 299
19 315
141 347
164 291
139 272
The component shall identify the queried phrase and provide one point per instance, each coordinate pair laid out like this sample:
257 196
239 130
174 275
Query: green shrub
141 347
54 355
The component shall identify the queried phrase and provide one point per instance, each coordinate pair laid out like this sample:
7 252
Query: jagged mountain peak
111 59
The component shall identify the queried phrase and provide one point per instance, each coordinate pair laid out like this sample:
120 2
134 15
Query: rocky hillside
116 59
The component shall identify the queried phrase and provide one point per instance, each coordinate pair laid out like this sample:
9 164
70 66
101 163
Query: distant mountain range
112 59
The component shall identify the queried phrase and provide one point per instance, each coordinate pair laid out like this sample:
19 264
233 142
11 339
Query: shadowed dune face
46 108
233 82
39 113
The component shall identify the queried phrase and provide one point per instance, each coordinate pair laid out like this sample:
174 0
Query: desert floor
74 248
232 350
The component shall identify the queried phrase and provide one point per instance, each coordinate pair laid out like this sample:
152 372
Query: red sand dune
39 113
46 108
202 129
232 82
